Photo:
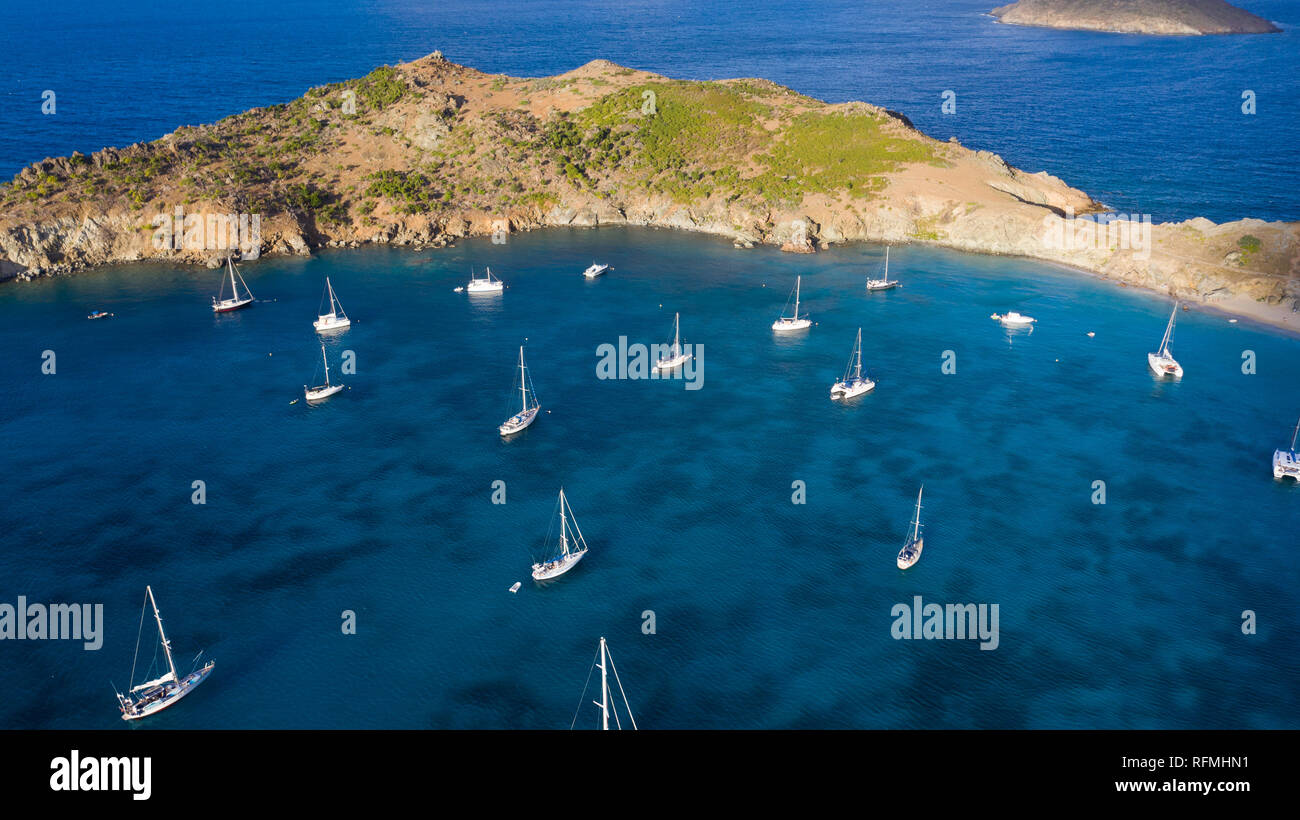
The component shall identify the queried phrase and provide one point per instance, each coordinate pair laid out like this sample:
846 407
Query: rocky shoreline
1161 17
436 152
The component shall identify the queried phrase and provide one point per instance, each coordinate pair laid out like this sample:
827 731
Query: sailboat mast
1293 435
604 688
326 362
886 263
523 381
857 373
330 285
564 532
916 526
1169 329
677 333
796 296
167 647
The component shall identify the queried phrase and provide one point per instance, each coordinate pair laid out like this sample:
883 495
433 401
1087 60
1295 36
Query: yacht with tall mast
528 403
675 357
853 383
1285 462
488 284
224 304
153 696
793 321
884 282
607 705
568 551
911 551
336 319
321 391
1162 362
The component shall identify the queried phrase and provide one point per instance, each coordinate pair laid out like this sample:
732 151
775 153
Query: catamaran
675 356
1162 362
853 383
605 661
911 551
336 319
568 551
322 391
220 304
795 321
488 284
595 270
884 282
157 694
1285 462
528 409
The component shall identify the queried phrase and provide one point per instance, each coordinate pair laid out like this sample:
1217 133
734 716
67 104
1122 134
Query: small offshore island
425 152
1172 17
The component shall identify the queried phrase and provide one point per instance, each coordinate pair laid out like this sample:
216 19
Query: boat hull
881 284
519 422
848 390
484 289
673 363
787 325
1164 366
911 553
177 691
228 305
325 324
315 394
1286 465
554 569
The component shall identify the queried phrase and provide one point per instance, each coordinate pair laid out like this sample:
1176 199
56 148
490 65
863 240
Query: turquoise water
768 613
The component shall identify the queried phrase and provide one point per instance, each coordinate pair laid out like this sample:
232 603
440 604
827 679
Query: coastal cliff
426 152
1174 17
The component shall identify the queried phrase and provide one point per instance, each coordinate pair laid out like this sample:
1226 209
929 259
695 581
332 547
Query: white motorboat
595 270
1013 319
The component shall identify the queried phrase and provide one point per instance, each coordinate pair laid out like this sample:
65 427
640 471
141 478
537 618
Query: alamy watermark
946 622
1098 232
53 622
180 231
639 361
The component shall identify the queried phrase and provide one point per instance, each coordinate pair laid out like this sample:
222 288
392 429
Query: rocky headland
1170 17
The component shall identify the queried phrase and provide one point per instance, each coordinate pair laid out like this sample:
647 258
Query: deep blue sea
1149 125
767 613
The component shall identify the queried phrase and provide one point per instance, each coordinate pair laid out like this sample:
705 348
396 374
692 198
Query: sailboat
568 551
1162 362
675 357
606 703
853 384
488 284
220 304
595 270
1285 462
911 551
336 319
883 283
322 391
527 411
157 694
794 322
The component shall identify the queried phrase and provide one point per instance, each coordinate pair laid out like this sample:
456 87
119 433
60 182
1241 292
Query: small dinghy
99 314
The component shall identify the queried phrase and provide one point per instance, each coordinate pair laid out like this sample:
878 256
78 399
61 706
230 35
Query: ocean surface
767 613
1148 125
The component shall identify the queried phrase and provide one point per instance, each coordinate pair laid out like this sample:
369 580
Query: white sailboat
606 704
675 356
222 304
911 551
528 409
1162 362
1285 462
488 284
883 283
336 319
595 270
853 383
795 321
157 694
322 391
568 551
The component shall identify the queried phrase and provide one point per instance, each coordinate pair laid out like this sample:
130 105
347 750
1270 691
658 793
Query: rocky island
1176 17
425 152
